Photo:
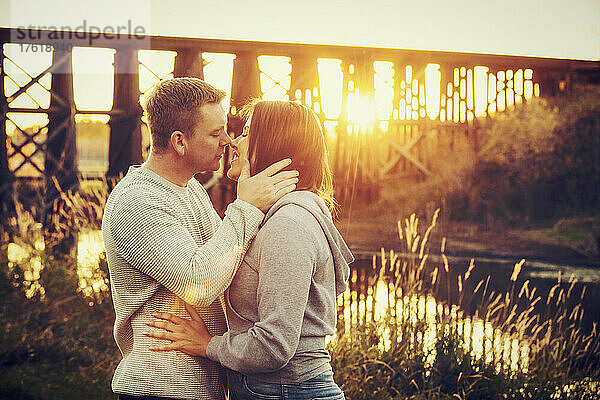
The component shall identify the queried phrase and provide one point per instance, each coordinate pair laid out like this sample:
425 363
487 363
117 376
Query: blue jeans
321 387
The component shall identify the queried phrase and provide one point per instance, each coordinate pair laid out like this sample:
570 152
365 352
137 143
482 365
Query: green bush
393 358
56 339
365 368
54 347
55 342
537 161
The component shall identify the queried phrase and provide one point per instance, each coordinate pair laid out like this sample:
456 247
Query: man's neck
167 166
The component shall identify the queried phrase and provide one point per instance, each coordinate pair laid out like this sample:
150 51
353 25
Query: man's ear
178 142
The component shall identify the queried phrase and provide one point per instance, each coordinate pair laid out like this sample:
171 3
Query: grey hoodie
282 302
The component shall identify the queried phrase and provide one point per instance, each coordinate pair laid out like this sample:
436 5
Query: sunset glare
398 91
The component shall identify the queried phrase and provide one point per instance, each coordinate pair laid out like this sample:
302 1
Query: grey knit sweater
165 243
281 304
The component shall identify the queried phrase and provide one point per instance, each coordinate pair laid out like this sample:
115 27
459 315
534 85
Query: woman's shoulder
294 215
301 206
291 224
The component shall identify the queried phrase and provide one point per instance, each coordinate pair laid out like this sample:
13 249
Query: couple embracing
239 307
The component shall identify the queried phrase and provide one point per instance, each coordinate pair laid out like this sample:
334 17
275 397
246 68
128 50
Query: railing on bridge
384 110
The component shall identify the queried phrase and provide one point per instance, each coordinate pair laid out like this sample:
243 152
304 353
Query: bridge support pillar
246 79
189 63
7 207
367 174
305 82
125 146
61 146
60 168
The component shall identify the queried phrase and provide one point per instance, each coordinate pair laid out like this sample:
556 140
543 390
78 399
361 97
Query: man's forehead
214 113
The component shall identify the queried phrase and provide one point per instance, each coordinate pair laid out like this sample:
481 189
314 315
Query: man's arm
265 188
150 237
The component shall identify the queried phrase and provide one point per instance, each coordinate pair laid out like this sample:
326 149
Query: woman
281 304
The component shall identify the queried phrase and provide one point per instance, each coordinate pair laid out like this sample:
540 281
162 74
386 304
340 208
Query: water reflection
541 269
89 249
30 259
481 339
372 297
31 265
549 271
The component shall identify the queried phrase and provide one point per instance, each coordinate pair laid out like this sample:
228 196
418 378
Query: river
374 299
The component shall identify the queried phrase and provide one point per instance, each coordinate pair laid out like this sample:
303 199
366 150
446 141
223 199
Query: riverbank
552 252
569 241
59 344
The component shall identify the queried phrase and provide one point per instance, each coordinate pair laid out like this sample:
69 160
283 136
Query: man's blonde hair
174 105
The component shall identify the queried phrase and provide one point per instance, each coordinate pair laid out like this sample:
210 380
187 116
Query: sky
549 28
543 28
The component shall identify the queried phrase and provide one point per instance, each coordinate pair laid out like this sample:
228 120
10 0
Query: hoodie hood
312 203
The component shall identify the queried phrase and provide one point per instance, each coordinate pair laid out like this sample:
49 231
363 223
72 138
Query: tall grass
56 335
55 338
421 352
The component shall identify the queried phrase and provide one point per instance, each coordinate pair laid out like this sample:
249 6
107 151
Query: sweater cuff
212 349
249 210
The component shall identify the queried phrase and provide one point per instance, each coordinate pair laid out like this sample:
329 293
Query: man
166 244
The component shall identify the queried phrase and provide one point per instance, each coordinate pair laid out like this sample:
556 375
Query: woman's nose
236 142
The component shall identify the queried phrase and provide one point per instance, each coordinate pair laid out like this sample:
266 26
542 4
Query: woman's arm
188 336
287 255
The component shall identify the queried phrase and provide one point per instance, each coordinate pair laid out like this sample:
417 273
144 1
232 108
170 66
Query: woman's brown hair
282 129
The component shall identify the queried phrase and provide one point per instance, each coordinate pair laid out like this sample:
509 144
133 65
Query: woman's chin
233 174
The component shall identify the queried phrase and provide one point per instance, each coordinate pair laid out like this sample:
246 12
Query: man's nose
226 140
